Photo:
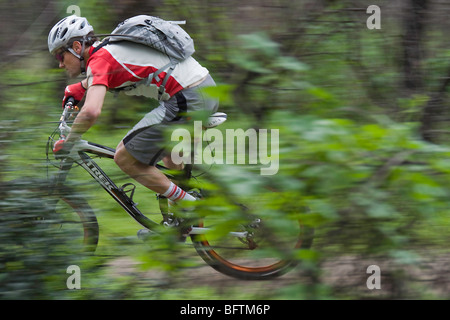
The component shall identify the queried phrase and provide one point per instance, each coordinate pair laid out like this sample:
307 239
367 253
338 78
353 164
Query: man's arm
89 113
84 83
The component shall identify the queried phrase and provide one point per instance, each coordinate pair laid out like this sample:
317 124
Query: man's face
68 61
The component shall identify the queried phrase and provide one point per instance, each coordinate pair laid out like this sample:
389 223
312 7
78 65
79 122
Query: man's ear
76 46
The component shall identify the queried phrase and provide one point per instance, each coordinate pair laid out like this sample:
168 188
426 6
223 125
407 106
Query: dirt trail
347 276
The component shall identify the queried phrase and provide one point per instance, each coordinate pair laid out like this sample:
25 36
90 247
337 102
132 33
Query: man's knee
168 162
121 156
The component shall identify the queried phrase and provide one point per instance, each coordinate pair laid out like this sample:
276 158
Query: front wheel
63 214
74 215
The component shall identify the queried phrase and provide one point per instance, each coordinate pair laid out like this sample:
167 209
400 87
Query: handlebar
69 110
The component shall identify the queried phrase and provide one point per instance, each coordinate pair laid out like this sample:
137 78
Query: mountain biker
73 43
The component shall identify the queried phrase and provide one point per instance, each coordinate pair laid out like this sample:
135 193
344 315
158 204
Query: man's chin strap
82 62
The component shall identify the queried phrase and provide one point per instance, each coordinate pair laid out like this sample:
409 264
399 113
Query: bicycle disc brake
250 229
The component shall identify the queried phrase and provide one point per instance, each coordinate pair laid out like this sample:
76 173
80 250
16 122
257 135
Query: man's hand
62 148
76 91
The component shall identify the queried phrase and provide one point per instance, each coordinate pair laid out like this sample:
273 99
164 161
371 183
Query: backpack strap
147 81
162 87
101 45
157 72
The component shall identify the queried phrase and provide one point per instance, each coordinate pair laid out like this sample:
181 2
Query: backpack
165 36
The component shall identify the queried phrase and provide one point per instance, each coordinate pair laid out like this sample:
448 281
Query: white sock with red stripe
175 193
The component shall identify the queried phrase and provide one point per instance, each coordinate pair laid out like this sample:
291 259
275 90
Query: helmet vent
63 33
61 21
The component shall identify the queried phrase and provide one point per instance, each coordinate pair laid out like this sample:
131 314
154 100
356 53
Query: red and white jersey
122 64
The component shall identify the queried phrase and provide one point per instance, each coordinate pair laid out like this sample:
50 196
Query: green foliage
351 163
374 180
34 254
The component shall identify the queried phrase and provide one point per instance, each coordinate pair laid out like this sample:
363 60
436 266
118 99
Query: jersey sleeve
98 72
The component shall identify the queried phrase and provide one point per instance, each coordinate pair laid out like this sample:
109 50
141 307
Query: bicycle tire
238 270
86 217
64 207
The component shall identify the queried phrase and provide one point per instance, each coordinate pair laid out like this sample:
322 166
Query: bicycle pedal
169 220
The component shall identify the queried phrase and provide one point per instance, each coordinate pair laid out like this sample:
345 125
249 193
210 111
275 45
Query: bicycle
245 249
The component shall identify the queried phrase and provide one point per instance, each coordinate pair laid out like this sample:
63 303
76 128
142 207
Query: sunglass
60 56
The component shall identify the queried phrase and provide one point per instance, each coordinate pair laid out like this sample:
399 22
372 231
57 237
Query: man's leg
148 176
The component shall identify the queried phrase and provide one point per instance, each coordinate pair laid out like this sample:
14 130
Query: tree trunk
414 23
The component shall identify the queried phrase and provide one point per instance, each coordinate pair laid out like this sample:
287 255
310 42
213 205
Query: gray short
146 142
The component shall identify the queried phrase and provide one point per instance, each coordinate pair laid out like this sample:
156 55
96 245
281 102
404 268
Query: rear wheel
253 250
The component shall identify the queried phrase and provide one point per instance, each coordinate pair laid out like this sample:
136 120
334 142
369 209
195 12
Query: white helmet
67 29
